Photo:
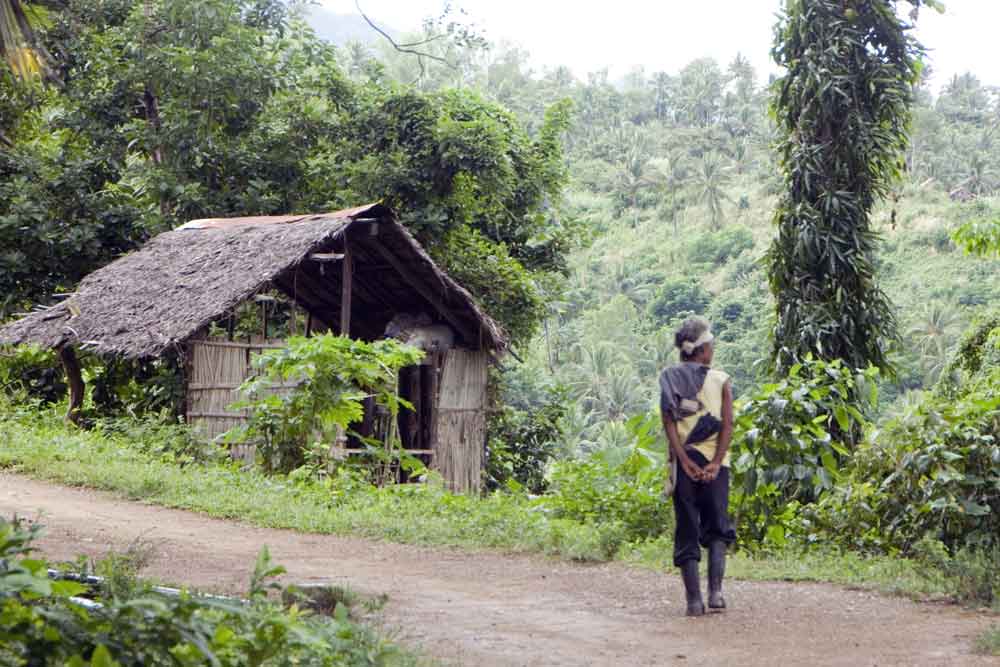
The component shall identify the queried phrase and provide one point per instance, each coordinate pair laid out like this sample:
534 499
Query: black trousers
702 512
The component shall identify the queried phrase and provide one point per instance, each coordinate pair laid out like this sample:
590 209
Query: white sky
668 34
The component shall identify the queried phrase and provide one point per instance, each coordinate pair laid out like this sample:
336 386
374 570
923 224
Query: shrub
933 471
43 624
30 371
791 439
521 443
721 246
162 437
677 298
974 574
137 387
626 497
331 375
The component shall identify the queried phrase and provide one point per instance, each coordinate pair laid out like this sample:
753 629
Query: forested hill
671 195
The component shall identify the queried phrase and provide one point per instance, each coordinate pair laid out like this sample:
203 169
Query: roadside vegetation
118 620
596 511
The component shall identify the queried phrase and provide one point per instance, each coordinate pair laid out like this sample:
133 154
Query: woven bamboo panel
216 372
461 423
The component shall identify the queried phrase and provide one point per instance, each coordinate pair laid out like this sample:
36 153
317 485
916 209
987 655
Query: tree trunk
74 378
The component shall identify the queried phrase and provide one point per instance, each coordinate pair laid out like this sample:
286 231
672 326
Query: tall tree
842 110
711 178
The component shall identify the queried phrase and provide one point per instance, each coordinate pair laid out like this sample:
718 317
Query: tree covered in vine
842 110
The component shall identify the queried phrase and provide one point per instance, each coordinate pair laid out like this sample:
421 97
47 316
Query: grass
894 576
40 445
988 643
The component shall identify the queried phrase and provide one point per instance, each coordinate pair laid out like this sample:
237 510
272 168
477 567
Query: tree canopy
173 110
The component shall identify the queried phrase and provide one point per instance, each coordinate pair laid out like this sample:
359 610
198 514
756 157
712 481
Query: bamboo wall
461 419
216 370
455 431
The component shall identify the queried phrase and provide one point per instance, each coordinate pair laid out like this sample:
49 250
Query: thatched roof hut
352 271
163 294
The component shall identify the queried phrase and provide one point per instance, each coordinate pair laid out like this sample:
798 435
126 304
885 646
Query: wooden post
431 393
71 365
414 416
345 295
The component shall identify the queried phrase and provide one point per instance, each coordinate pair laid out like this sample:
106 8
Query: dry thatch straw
167 292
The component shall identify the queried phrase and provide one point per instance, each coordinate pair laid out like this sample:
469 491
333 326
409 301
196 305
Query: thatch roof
168 291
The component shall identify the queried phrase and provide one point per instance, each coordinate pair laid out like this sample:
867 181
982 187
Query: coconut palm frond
19 45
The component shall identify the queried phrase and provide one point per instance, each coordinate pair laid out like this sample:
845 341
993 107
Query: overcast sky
666 35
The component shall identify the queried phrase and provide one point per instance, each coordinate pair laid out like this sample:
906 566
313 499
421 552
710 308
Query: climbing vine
842 111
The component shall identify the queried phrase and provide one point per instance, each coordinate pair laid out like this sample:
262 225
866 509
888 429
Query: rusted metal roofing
368 210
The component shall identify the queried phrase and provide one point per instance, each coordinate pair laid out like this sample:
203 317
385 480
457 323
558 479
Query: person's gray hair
692 336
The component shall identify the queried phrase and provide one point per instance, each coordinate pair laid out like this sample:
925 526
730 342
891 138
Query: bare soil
486 608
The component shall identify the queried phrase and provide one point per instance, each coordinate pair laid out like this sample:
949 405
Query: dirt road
492 609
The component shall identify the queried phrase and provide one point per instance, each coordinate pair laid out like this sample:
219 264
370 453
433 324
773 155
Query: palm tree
19 45
980 174
932 337
932 329
633 148
711 177
620 394
623 280
662 85
671 173
658 352
575 426
700 92
633 179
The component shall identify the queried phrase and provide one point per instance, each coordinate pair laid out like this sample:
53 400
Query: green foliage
677 298
308 393
521 443
932 471
507 290
978 351
189 108
162 437
791 440
842 111
974 573
621 488
44 625
720 247
979 237
137 387
32 372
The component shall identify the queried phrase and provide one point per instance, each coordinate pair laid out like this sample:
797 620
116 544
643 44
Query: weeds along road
484 608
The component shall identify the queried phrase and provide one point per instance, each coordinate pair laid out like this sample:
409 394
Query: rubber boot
692 588
716 570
